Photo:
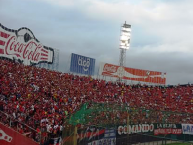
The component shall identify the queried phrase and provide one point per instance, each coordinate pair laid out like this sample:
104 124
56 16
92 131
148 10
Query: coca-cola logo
110 68
30 51
120 72
22 45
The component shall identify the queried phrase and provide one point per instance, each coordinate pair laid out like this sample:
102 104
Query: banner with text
132 74
82 64
164 129
108 139
90 135
187 129
150 132
22 46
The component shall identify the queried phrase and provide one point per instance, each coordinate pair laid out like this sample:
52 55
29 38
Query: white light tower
124 45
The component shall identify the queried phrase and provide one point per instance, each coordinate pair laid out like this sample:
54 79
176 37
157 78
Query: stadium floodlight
123 45
125 36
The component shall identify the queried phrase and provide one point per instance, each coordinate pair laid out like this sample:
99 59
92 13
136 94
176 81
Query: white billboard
22 46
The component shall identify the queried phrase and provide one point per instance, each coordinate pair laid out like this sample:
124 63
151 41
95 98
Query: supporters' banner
155 129
109 138
187 129
90 134
82 64
150 132
11 137
135 132
22 46
132 74
131 129
164 129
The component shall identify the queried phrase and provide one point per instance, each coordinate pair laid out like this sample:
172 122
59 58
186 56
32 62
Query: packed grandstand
42 99
43 106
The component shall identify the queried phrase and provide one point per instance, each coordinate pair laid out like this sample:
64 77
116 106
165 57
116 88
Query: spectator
42 98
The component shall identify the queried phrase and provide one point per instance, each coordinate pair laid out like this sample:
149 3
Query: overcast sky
161 37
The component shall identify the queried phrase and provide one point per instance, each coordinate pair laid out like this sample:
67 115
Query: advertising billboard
22 46
132 74
82 64
10 137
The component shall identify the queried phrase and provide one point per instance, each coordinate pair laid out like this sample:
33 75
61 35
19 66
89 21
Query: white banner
187 129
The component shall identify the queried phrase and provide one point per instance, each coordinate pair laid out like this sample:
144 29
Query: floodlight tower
124 46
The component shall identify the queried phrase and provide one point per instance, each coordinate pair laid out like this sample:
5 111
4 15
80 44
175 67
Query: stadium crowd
42 98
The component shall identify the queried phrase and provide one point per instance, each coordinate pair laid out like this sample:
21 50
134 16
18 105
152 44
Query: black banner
89 134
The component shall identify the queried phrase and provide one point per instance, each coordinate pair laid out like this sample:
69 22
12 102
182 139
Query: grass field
179 144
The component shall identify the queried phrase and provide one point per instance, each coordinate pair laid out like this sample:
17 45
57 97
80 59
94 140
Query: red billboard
10 137
132 74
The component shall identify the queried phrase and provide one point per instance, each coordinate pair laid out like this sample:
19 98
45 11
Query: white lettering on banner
167 131
135 129
84 62
4 136
176 131
166 126
110 68
187 128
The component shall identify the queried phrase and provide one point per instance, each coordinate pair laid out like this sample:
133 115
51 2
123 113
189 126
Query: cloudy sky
161 37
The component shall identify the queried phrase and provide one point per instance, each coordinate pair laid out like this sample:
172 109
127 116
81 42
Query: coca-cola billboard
110 68
133 74
22 46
